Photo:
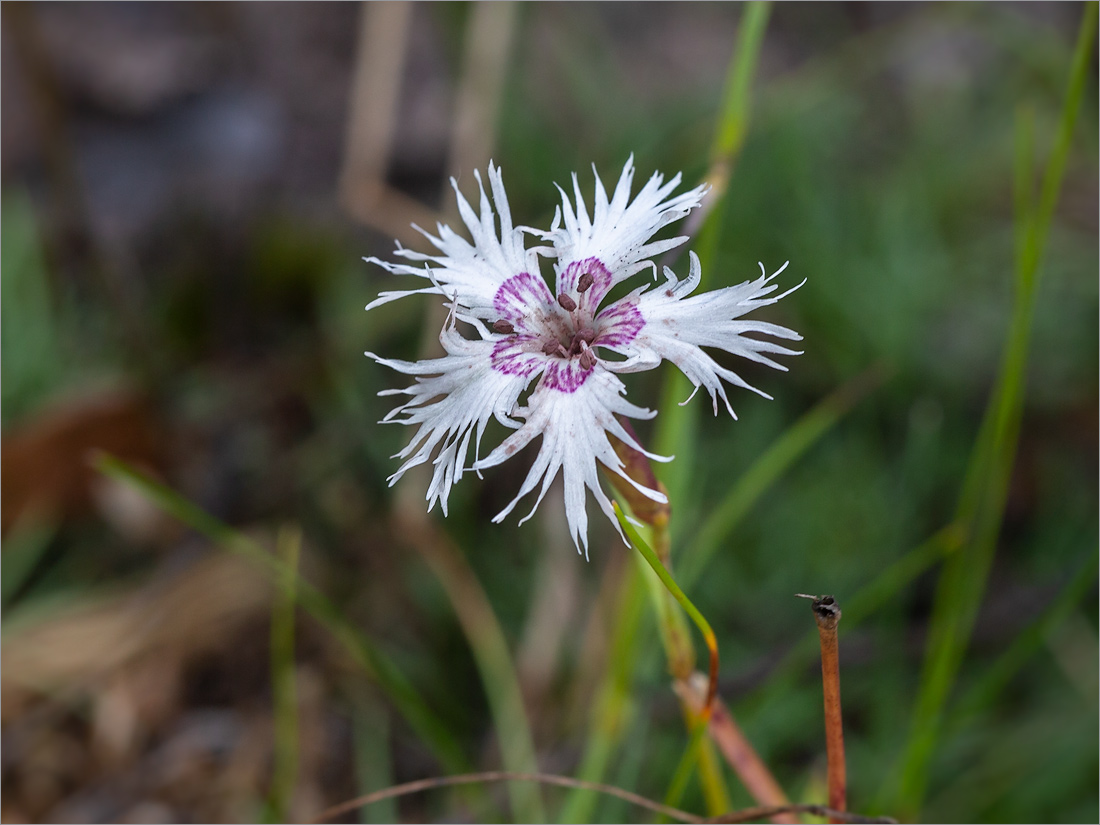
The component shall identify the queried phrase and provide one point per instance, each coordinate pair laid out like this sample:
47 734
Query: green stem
284 694
678 594
676 431
613 707
366 654
981 503
682 775
675 427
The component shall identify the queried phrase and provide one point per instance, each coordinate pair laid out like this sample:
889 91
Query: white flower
560 341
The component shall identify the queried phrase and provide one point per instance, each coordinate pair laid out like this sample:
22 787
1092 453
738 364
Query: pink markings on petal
511 357
565 376
520 296
619 324
597 285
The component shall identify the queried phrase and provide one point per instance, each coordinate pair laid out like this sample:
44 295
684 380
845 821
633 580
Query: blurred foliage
879 162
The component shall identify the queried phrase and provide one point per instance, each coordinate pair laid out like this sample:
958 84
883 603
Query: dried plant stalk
827 614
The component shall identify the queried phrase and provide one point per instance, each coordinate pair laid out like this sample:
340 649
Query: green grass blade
777 459
733 125
283 674
639 544
675 425
24 548
981 505
493 660
613 708
1027 643
863 604
686 767
377 664
373 763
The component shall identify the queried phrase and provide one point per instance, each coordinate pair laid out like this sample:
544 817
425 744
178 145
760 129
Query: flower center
562 328
570 335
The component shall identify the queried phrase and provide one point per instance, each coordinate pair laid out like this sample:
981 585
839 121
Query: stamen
581 338
588 357
566 303
551 347
504 327
585 283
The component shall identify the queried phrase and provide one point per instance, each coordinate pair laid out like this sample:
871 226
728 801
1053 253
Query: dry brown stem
743 815
827 615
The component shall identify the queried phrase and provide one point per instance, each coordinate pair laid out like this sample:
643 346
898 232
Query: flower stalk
709 638
827 615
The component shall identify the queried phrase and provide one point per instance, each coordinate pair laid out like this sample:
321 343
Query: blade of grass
24 548
284 775
639 544
1027 643
363 651
489 646
863 604
675 433
675 426
777 459
613 708
686 766
373 764
981 505
714 784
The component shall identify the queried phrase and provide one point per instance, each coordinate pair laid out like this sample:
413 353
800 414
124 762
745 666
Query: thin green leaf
376 663
639 544
766 470
284 775
981 504
1028 642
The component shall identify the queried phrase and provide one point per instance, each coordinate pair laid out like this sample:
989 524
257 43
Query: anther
585 282
566 303
504 327
551 347
588 359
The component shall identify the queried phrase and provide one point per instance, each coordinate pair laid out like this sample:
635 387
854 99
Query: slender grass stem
827 615
742 815
490 649
675 430
666 578
363 651
981 503
284 775
772 463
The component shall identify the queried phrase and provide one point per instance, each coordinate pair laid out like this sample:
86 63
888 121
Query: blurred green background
188 191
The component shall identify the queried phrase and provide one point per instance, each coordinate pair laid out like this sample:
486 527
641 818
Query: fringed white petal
453 399
574 428
469 273
619 229
676 326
